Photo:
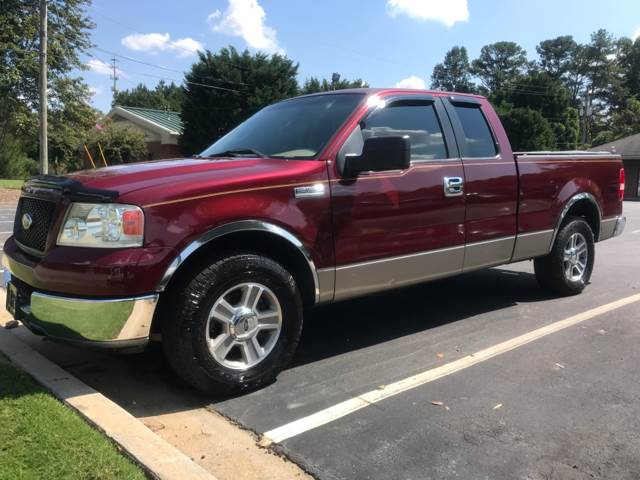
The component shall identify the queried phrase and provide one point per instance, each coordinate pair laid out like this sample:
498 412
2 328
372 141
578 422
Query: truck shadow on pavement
364 322
145 385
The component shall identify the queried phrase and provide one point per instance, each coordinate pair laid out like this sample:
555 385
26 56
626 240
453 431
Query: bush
120 144
14 161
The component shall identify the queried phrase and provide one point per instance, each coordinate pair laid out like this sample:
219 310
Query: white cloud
636 34
246 19
186 46
96 91
99 67
146 42
159 42
447 12
412 82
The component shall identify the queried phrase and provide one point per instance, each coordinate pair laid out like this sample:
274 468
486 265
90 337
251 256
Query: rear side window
478 140
418 121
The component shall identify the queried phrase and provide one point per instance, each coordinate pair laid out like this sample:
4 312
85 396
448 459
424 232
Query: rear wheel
235 325
567 269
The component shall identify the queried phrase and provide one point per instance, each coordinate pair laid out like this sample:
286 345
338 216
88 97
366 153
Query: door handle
453 186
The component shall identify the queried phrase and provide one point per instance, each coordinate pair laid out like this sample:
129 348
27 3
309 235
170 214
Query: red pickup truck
315 199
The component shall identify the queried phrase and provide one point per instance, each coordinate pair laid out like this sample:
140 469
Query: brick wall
159 151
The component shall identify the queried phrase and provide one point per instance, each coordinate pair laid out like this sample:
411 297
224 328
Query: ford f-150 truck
314 199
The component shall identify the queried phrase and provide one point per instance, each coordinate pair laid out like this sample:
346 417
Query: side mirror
380 154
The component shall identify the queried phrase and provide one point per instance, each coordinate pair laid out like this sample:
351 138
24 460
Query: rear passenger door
491 183
395 228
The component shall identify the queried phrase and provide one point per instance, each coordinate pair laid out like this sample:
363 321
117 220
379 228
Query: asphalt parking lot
447 378
7 214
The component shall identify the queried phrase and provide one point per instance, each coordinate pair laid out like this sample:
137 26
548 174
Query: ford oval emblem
27 221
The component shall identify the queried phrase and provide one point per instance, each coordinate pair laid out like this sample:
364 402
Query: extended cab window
478 140
418 121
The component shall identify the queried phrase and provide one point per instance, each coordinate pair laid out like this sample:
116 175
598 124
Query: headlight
103 225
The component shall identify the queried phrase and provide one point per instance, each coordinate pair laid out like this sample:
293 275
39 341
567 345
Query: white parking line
357 403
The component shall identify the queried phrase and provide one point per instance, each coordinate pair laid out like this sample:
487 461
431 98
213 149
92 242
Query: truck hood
126 179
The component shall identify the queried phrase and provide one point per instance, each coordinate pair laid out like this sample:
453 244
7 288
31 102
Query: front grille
40 212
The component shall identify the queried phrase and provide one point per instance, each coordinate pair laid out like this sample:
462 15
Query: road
562 402
7 214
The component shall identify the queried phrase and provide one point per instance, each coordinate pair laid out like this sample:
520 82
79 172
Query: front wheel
235 325
567 269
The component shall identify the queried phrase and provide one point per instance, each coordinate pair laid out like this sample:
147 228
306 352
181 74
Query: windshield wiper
239 152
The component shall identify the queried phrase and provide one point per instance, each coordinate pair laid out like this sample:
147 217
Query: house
161 128
629 149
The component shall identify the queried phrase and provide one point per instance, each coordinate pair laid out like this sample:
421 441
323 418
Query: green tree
315 85
120 144
628 62
624 122
68 28
551 98
70 118
69 35
500 63
557 56
599 69
528 130
165 96
454 73
253 81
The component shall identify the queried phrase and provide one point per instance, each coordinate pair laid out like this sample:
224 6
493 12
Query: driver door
395 228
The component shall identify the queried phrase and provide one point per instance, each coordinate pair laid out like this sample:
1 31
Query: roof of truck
371 91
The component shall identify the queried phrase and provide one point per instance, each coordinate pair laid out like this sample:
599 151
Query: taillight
621 186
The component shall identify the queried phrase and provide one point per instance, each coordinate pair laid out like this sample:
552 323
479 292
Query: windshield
297 128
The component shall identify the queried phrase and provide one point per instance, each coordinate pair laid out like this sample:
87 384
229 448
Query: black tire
184 328
550 269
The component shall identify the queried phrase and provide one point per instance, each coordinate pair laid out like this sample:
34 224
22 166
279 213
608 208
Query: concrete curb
158 457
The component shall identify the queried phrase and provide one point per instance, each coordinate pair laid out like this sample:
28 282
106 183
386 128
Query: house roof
628 147
167 121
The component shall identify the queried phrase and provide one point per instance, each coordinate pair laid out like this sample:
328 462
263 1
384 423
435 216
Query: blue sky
385 42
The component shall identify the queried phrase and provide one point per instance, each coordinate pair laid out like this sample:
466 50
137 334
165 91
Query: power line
214 87
161 67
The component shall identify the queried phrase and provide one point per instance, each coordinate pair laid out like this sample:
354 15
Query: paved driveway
480 376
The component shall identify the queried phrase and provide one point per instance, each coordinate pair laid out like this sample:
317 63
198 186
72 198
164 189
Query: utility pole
44 144
114 76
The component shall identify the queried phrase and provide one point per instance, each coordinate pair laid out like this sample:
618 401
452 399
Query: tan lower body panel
385 274
531 245
363 278
488 253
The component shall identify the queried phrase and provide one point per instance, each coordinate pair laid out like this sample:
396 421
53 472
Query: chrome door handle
453 186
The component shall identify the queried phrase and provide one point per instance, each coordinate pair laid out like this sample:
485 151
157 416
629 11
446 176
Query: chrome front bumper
107 323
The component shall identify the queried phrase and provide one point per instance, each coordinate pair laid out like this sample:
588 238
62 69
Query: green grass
6 183
42 438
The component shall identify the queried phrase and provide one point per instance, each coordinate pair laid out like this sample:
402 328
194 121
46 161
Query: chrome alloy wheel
243 326
575 257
